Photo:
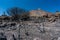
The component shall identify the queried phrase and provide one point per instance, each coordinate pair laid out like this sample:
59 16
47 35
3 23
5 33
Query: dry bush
16 12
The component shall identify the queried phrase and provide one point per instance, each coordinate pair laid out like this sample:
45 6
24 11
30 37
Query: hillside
43 26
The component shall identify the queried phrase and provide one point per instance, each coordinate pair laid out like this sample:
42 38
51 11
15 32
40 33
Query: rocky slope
28 30
40 26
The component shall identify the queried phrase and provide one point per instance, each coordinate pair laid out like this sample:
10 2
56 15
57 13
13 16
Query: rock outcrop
38 13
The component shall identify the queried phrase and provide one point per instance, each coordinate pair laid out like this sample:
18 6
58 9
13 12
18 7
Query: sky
47 5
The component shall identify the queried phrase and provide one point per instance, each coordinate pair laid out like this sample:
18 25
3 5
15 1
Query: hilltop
37 15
